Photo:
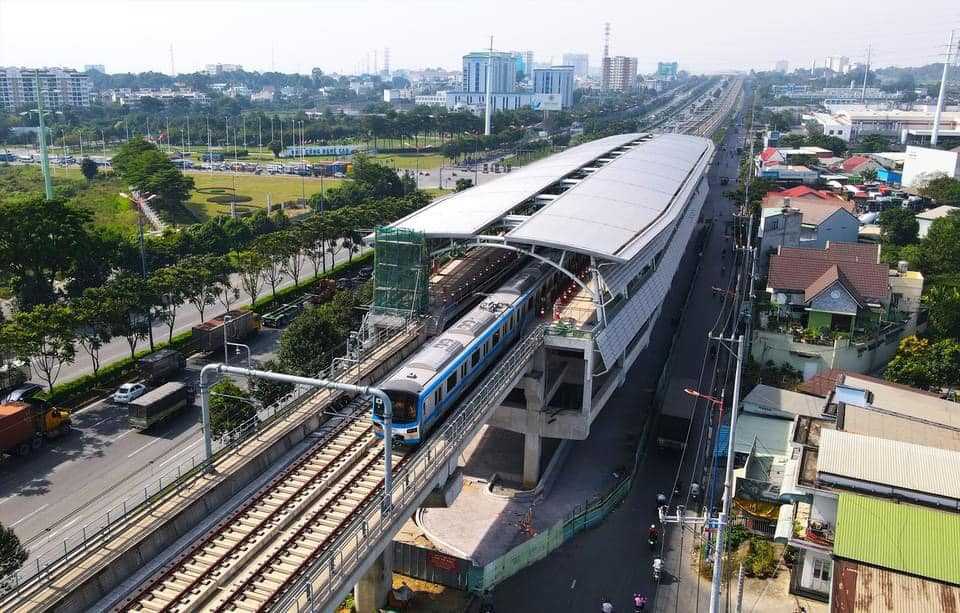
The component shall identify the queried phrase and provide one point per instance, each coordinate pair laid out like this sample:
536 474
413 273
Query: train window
451 381
436 397
486 348
496 338
463 369
475 359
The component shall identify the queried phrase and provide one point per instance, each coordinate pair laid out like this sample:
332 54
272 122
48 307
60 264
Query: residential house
793 174
859 164
836 307
926 218
807 223
872 485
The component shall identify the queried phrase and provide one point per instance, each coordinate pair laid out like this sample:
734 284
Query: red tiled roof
768 153
827 279
853 163
838 252
795 270
800 191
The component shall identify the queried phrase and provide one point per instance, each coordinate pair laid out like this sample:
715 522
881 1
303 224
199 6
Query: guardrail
131 507
373 522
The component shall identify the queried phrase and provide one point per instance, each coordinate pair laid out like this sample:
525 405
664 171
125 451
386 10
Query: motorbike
656 574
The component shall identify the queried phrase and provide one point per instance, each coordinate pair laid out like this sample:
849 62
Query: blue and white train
433 379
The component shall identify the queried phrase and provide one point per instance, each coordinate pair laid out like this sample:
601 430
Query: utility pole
488 112
943 91
44 157
863 92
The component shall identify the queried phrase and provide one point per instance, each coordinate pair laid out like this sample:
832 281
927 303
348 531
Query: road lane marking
29 515
117 438
64 526
174 456
142 448
574 584
93 425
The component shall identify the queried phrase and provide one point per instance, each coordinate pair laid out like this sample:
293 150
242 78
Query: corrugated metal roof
466 213
859 588
895 463
903 537
624 204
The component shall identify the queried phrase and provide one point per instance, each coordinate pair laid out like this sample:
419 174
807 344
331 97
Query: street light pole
138 200
44 155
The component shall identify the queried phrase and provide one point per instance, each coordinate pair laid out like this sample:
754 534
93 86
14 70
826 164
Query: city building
782 66
580 63
397 95
858 164
125 96
60 87
839 64
97 67
555 80
504 72
926 218
667 71
219 69
804 224
899 125
837 307
922 163
437 99
238 91
267 94
833 126
619 73
476 103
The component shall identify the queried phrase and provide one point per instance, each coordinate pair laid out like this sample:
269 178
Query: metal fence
142 498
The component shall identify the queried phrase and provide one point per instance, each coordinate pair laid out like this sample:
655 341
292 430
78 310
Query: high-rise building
580 63
839 64
667 71
528 62
97 67
504 72
555 80
619 73
782 66
60 87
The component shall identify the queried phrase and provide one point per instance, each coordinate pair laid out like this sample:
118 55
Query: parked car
23 393
129 391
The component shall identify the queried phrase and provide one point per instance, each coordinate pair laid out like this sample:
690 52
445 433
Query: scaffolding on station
401 271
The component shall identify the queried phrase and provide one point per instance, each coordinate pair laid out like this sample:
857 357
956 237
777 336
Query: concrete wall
922 161
812 359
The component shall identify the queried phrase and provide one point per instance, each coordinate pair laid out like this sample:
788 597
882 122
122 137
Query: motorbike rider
652 533
657 568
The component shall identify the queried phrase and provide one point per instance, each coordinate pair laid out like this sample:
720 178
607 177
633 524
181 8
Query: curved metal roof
633 186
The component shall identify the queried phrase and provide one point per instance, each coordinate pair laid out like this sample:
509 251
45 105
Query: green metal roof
911 539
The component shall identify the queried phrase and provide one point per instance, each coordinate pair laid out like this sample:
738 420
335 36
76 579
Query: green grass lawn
279 187
408 161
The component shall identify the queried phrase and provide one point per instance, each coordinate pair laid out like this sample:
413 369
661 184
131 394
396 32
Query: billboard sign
546 102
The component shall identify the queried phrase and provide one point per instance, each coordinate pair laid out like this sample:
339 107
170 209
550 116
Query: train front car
432 381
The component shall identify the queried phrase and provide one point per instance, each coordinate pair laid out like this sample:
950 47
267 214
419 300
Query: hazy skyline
339 36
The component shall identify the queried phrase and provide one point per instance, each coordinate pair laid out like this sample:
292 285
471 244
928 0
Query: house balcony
809 533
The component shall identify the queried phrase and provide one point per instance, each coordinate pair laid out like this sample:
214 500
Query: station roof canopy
606 198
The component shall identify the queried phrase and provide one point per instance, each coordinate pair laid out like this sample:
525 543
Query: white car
129 391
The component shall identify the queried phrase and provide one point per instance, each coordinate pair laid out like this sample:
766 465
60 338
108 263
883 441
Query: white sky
339 35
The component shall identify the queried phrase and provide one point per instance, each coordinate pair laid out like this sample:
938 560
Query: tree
943 304
873 143
203 276
274 252
39 240
869 175
250 267
129 299
12 553
898 226
268 391
463 184
146 167
89 169
308 343
940 248
44 337
171 285
929 366
231 409
294 264
941 189
93 328
275 147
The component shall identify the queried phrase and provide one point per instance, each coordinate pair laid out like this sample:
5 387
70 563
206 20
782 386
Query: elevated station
613 217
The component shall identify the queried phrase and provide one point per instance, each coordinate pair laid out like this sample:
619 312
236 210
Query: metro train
432 380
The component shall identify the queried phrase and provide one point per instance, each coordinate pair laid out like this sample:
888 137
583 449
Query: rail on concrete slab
337 569
127 512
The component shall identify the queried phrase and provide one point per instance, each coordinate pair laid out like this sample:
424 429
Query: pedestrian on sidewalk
639 602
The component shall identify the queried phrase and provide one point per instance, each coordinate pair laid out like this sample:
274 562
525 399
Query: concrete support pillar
531 459
370 594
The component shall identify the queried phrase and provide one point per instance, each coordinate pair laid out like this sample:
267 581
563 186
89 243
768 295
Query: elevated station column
533 392
370 594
